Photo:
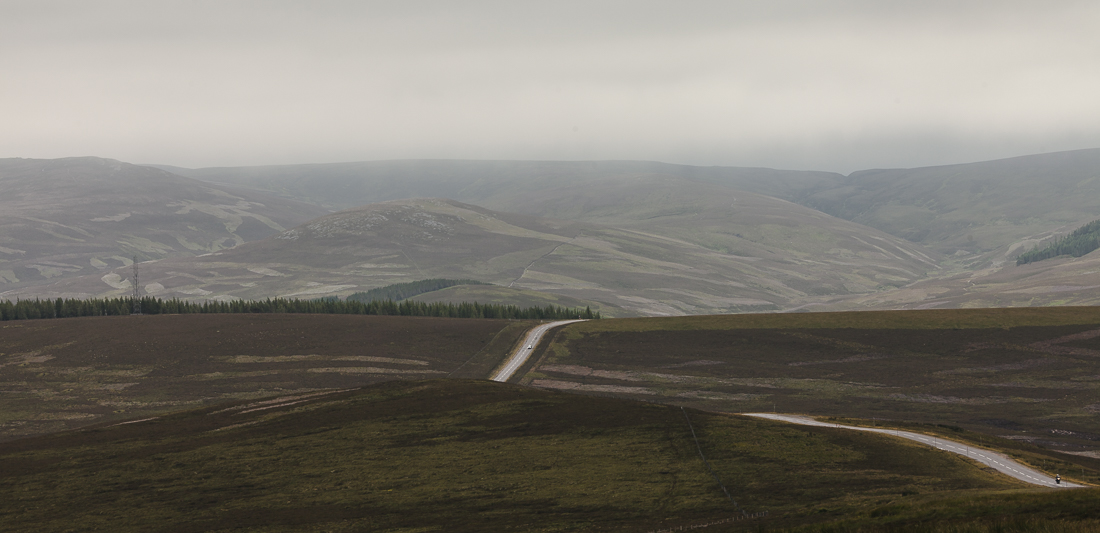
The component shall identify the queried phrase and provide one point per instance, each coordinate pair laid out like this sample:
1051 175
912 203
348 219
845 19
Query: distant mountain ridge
486 183
671 239
610 267
973 209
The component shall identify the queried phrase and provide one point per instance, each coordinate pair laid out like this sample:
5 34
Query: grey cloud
826 85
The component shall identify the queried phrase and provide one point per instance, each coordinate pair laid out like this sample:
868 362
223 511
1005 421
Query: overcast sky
814 84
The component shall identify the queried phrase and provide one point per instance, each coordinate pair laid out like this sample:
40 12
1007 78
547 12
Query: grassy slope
1029 374
65 373
466 456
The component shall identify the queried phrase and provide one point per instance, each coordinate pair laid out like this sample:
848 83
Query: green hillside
478 456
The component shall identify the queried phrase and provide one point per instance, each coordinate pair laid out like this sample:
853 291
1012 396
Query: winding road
995 460
524 351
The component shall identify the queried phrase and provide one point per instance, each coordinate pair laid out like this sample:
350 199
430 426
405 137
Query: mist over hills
628 237
491 184
973 209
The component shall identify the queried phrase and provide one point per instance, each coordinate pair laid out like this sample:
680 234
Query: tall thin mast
137 290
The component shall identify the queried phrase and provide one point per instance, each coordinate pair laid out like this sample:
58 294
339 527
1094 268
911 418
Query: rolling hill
735 251
63 218
461 455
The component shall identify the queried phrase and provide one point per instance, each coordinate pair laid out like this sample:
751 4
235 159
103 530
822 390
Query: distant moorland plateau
627 238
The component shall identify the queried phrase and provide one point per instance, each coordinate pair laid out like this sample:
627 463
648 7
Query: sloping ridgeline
1083 240
401 291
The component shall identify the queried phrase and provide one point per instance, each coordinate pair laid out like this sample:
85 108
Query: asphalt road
992 459
522 353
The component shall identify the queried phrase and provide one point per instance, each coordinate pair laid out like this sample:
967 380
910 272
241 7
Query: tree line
1082 241
65 308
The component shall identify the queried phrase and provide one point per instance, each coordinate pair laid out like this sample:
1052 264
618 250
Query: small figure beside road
1057 479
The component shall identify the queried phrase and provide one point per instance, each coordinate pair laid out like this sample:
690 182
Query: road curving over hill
997 461
524 350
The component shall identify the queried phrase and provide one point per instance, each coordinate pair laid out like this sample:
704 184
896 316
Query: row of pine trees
1082 241
65 308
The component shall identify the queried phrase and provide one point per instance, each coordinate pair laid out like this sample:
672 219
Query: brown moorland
1029 378
428 455
463 455
64 373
